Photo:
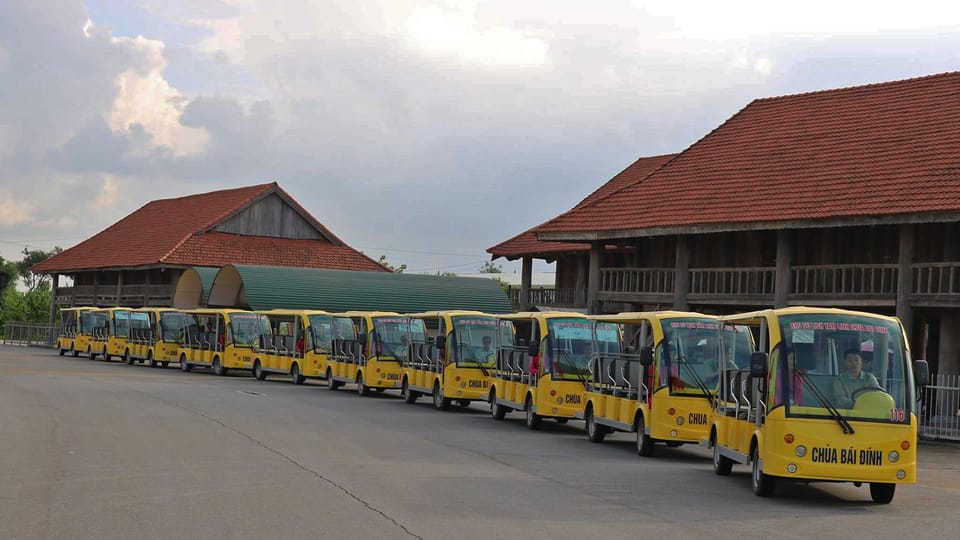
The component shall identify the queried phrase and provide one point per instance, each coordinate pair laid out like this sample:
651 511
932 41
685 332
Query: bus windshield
92 319
476 338
139 324
173 324
394 333
853 364
321 332
246 328
688 357
569 343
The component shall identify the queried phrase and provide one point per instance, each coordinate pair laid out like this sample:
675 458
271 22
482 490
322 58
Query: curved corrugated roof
272 287
193 287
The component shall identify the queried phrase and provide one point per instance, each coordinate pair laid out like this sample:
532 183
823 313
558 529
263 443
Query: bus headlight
791 468
801 450
893 456
679 420
901 475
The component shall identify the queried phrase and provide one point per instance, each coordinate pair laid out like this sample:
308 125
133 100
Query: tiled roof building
136 261
847 197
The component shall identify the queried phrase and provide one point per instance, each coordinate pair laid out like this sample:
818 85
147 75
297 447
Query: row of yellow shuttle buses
798 394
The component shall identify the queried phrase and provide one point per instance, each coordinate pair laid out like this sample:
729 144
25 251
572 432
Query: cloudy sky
423 130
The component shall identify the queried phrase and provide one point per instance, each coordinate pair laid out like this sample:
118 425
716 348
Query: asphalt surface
96 450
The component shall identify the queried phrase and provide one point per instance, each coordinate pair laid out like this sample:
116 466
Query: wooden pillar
593 277
54 291
526 278
782 282
681 278
119 285
96 286
144 302
905 278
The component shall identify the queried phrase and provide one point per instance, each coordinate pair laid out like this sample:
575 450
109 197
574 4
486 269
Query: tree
382 261
8 276
31 306
490 268
30 258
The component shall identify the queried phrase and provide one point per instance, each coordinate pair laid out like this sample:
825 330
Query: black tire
151 360
106 357
496 410
62 352
562 421
332 384
184 365
882 493
90 354
595 432
722 465
763 484
127 358
463 402
295 375
218 368
533 419
74 352
362 388
439 402
258 372
164 364
409 396
645 443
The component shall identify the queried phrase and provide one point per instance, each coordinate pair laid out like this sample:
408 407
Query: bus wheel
763 484
409 396
331 384
184 366
496 410
533 419
295 375
439 402
90 354
127 358
151 360
106 357
258 372
882 493
75 352
362 388
722 465
644 441
164 364
218 368
463 402
561 421
595 432
62 351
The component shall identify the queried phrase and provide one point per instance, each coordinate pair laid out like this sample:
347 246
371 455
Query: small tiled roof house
138 260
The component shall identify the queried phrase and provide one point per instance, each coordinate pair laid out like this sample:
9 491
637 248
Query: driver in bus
851 380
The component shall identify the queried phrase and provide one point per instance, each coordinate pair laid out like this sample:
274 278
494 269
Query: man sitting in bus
487 352
795 378
851 380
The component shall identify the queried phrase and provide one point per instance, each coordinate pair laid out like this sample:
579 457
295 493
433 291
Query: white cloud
14 211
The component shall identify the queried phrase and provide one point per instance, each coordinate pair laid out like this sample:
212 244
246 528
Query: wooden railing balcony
568 298
108 295
637 280
936 278
860 280
754 282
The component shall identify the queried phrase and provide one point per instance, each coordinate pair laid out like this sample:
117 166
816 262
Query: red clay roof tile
877 150
526 243
172 231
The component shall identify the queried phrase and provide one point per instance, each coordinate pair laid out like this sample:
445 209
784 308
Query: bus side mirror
441 342
533 349
921 373
646 356
758 364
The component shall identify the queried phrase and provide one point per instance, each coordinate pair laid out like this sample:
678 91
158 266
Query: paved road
96 450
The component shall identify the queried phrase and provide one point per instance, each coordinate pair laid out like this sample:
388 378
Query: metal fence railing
30 334
940 408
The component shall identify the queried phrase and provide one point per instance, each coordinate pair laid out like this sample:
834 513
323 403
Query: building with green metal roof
280 287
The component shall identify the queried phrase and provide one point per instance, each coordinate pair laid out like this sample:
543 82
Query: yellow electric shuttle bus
222 339
93 325
298 345
109 337
454 361
661 386
372 359
541 366
71 332
158 342
829 395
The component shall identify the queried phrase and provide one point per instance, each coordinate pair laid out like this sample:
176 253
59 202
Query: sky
426 131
